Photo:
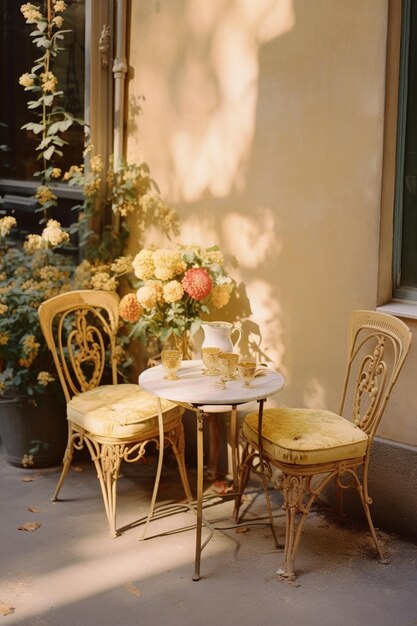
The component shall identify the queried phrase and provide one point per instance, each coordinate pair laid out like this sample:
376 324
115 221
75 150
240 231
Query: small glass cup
247 371
209 358
227 363
171 363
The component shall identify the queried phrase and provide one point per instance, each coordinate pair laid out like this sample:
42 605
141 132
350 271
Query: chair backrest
80 329
377 347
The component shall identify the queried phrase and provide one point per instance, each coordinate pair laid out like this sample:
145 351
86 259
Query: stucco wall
263 124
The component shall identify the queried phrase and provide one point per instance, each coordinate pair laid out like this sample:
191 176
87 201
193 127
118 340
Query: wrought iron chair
115 421
311 447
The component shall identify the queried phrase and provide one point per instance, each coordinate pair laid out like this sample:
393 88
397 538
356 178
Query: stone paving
68 570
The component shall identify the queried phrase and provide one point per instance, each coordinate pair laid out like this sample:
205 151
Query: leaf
6 609
49 152
37 128
133 589
33 509
42 42
29 526
49 99
27 479
242 529
77 469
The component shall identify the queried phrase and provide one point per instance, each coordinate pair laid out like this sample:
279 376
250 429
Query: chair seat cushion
121 411
306 436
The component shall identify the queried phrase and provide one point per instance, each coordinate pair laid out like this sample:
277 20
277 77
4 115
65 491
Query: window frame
399 291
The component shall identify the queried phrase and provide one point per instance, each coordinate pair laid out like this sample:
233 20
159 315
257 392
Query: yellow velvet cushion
121 411
306 436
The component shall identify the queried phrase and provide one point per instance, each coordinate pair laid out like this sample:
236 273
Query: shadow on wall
242 127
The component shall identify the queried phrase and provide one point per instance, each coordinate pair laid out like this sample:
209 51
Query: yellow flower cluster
53 233
103 280
50 272
44 378
58 21
96 164
4 339
73 170
143 265
6 224
26 80
220 295
31 13
122 265
33 242
30 351
163 263
3 308
44 194
173 291
150 294
49 82
59 6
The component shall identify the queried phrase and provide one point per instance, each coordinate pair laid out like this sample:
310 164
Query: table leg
199 494
213 461
159 467
234 444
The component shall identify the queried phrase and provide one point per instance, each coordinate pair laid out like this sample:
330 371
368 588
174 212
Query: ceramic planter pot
33 436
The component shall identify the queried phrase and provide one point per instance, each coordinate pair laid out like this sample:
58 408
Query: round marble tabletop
193 387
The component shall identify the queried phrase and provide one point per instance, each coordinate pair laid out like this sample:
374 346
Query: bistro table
195 391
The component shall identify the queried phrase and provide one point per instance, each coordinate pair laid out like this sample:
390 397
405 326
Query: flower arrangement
176 289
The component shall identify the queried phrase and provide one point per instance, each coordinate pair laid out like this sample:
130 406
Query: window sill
400 308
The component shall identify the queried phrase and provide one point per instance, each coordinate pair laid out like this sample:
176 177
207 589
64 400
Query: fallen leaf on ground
33 509
29 526
133 589
76 468
242 529
27 479
6 609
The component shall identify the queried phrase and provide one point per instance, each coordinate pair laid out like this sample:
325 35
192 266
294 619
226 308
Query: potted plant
28 390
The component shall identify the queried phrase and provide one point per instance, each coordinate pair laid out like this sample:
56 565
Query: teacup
247 371
209 357
171 363
227 363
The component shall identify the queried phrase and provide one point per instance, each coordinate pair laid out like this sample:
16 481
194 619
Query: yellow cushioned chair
311 447
115 421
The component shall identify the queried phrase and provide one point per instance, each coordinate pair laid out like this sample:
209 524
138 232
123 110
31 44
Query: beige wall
263 125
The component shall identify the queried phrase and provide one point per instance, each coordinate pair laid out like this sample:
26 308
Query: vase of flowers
175 290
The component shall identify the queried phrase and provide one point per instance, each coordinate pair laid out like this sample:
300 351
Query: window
405 235
84 71
17 147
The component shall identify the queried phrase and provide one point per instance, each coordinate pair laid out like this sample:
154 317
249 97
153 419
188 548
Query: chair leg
294 489
269 508
366 501
66 462
178 446
244 471
107 459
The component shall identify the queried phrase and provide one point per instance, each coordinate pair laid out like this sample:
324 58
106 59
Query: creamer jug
219 335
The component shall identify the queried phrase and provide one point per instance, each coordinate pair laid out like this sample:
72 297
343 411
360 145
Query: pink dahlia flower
197 283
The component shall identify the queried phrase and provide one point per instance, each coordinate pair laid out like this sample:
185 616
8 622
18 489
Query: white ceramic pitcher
219 335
